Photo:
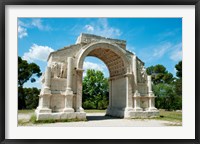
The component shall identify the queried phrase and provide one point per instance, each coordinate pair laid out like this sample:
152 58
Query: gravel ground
99 120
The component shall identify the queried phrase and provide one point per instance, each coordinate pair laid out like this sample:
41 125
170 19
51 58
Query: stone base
68 110
61 115
152 109
131 113
43 110
143 114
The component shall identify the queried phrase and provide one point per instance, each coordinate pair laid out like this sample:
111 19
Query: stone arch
120 90
129 85
110 54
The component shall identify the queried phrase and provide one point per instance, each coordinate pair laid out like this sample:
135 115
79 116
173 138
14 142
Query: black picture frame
4 3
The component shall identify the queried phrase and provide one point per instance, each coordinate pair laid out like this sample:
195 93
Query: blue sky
154 40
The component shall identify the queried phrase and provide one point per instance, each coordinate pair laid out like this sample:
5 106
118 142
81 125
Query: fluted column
136 100
69 73
79 75
45 95
134 67
151 95
149 84
69 92
129 102
47 81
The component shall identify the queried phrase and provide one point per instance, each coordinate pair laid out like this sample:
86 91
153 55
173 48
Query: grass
94 111
23 122
34 121
172 116
26 111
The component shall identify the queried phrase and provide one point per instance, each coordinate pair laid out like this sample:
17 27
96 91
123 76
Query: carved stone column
149 85
47 82
151 95
45 95
69 73
136 93
129 101
79 74
69 92
134 66
136 99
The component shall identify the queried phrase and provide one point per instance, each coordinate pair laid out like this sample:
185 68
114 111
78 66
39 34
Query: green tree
26 71
159 74
95 90
178 82
166 87
166 97
179 69
31 97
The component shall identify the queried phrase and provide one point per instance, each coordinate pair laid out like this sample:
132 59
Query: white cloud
176 54
161 50
102 28
37 52
89 28
38 24
152 53
89 65
34 23
22 32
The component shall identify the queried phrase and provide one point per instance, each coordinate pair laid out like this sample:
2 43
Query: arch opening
118 81
95 93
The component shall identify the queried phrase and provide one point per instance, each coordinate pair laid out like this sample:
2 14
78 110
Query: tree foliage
167 88
179 69
26 71
95 90
159 74
178 82
31 97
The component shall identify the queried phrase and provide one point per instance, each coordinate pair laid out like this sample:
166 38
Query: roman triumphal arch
130 90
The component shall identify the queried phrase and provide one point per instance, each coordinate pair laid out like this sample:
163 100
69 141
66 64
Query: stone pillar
45 95
79 75
110 93
69 92
151 95
134 66
136 99
108 110
47 81
129 102
152 103
69 73
68 103
149 85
